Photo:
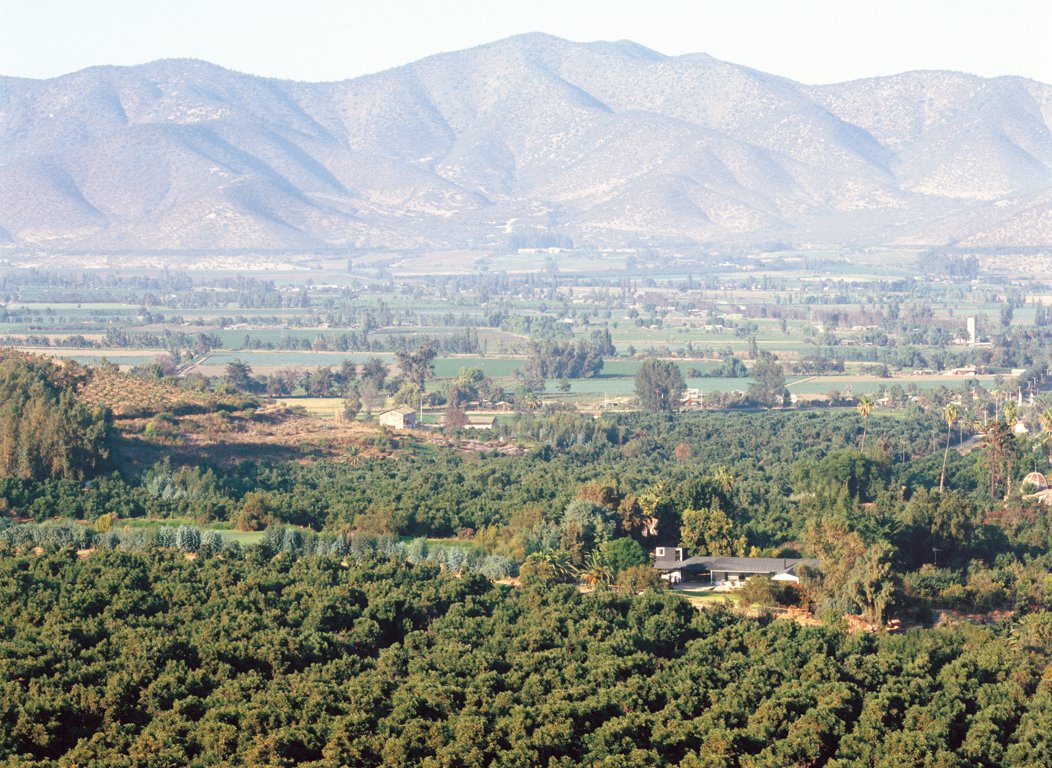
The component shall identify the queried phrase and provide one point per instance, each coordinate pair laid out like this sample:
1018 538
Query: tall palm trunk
950 414
945 455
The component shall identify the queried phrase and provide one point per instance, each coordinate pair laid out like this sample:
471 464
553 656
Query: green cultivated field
494 367
862 308
286 359
861 385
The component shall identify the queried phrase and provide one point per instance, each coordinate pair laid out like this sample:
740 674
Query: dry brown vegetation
128 396
271 433
223 438
156 419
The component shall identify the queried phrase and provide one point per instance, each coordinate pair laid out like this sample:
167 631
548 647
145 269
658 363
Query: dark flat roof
736 564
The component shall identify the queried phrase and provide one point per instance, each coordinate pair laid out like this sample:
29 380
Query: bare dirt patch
223 438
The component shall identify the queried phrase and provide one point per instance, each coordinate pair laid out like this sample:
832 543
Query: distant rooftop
735 564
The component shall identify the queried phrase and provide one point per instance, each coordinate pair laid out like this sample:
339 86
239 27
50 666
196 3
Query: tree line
45 432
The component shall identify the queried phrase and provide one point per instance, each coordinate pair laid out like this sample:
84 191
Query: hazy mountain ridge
608 143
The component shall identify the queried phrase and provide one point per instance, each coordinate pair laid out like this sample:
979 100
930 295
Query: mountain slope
607 143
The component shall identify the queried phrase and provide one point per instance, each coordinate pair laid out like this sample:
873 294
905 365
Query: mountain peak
607 143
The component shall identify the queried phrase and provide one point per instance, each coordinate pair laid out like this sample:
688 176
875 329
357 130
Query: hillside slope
523 139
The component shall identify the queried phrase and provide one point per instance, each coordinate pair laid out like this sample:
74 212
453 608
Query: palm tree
950 414
595 572
559 561
724 479
1046 425
1011 419
1011 414
865 408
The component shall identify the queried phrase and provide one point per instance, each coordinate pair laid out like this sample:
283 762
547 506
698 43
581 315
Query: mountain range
528 141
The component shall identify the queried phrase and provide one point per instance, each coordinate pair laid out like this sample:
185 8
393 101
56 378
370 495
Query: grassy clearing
147 522
860 385
228 534
700 598
297 359
123 361
83 308
706 594
325 407
450 543
495 367
113 354
626 385
244 538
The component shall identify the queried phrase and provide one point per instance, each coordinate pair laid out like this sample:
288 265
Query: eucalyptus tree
950 414
768 385
418 366
659 385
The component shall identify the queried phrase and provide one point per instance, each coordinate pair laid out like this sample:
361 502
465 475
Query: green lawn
244 538
699 596
228 534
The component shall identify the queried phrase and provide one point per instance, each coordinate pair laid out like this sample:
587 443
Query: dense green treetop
150 659
659 385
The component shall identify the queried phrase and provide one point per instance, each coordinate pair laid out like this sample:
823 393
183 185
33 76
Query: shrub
497 567
188 538
761 591
211 543
165 536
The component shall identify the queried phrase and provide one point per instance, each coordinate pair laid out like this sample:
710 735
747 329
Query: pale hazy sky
814 41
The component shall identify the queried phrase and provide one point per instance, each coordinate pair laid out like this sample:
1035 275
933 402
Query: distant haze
530 140
812 41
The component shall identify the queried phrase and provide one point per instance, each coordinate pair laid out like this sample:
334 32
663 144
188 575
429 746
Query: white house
674 566
399 418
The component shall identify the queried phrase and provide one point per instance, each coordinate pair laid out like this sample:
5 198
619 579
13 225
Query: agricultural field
268 362
871 385
841 324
